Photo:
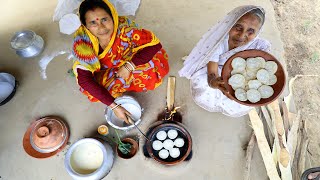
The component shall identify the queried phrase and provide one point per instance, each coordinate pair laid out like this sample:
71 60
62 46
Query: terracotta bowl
278 87
134 148
167 125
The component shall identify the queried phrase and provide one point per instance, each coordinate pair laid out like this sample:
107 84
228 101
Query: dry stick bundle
271 128
286 122
263 145
303 150
293 134
269 123
280 141
249 154
297 138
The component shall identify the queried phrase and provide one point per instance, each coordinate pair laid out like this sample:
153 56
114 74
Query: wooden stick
263 145
293 136
267 117
302 159
303 149
274 152
286 124
281 143
269 124
276 116
170 92
249 154
295 167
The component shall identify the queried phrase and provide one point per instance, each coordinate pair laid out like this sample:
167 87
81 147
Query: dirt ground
299 23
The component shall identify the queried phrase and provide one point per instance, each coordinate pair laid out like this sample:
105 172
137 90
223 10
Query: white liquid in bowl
86 158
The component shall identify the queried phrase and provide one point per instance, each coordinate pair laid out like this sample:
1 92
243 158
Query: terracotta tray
278 87
36 154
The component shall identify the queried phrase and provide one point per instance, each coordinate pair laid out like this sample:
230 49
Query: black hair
88 5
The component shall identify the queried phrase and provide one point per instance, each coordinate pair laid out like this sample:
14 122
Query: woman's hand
123 72
215 82
122 114
218 83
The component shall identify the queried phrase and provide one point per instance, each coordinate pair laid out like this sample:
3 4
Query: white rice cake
262 61
238 64
241 94
253 95
237 81
254 84
272 80
253 64
263 76
266 91
271 66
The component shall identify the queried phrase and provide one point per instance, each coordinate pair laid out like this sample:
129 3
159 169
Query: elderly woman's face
244 31
99 23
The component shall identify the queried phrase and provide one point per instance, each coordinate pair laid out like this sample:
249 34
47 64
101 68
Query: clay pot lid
48 135
45 137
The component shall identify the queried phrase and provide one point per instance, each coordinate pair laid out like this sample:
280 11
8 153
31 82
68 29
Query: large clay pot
133 151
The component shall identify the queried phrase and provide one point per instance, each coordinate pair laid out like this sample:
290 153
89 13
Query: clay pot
133 151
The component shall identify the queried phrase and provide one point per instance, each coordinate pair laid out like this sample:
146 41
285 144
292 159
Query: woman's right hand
218 83
122 114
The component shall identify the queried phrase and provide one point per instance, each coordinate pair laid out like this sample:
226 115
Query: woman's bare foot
313 175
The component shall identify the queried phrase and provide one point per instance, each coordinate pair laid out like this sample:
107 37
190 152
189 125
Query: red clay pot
133 151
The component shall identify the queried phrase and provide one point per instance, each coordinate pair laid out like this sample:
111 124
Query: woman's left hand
123 72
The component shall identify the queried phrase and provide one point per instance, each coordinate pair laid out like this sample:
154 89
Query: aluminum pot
131 105
27 44
81 159
8 86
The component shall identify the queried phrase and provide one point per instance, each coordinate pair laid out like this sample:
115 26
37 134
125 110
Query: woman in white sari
238 31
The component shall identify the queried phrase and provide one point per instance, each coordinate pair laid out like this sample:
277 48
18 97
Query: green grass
315 57
306 26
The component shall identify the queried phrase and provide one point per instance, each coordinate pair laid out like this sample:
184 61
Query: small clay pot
133 151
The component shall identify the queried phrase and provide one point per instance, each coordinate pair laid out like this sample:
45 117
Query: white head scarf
208 44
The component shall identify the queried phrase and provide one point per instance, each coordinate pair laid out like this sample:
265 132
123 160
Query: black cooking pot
166 125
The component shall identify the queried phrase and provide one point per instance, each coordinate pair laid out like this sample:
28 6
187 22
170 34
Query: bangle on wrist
115 107
127 68
130 65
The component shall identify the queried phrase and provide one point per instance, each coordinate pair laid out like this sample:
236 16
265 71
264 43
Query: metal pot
131 105
82 168
8 86
27 44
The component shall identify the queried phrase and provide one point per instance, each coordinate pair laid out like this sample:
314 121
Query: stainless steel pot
27 44
131 105
8 85
79 171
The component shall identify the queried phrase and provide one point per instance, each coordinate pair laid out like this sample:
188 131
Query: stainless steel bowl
131 105
27 44
83 173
